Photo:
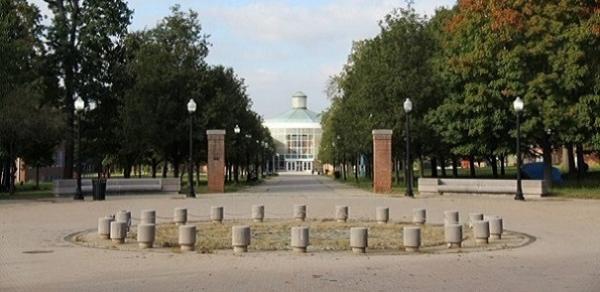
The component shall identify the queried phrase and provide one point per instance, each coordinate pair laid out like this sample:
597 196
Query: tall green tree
85 42
380 74
539 50
29 128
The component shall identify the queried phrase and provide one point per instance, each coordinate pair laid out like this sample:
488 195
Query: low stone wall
531 188
64 187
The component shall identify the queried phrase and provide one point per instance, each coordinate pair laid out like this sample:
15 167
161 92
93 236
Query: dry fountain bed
325 235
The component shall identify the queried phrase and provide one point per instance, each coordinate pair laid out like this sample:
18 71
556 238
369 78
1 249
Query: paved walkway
564 257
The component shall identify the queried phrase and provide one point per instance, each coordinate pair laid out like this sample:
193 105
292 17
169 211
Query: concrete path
35 257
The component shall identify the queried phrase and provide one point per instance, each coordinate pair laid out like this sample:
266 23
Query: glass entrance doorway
299 166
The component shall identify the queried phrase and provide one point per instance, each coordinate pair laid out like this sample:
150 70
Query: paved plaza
565 256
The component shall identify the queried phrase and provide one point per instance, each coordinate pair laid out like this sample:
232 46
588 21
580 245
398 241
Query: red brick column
382 161
216 161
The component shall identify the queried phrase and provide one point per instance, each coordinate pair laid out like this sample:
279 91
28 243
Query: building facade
297 136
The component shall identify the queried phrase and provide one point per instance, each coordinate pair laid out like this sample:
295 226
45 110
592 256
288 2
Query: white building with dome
297 135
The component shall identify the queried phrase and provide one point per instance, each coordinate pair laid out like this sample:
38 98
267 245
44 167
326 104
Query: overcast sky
280 47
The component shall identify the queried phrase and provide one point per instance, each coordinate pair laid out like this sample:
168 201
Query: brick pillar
382 161
216 161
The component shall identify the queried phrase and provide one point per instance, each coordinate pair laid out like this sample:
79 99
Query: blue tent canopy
536 171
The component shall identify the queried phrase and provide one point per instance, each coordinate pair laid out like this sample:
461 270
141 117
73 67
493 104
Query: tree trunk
154 165
176 165
165 168
547 156
472 166
356 169
443 165
37 176
434 162
197 165
5 186
581 167
236 173
127 169
494 165
571 159
454 167
397 171
344 167
502 168
13 174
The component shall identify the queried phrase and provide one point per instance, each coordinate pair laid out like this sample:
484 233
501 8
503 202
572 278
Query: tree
167 68
540 50
28 127
380 74
85 42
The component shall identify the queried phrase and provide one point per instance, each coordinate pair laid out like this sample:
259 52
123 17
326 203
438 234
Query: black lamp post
236 170
409 179
191 107
518 107
79 107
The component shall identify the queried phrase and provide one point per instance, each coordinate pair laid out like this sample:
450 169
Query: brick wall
216 161
382 161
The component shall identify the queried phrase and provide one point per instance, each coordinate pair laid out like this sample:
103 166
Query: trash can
99 189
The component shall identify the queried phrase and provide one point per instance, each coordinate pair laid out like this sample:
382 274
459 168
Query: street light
236 171
518 107
191 107
79 106
408 106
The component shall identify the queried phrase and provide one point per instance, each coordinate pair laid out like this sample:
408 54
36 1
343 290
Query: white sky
280 47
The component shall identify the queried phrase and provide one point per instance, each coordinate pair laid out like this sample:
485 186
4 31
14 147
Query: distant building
297 134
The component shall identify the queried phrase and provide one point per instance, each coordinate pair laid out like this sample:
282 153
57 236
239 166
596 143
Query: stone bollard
481 231
382 215
300 212
419 216
104 227
240 238
258 213
412 239
299 238
453 235
124 216
216 214
341 213
145 235
180 216
496 227
187 237
451 217
118 232
474 217
148 217
359 238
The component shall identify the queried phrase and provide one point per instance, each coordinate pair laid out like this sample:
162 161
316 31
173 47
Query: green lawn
28 191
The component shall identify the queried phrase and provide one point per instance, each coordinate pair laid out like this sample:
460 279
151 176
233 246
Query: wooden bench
65 187
531 188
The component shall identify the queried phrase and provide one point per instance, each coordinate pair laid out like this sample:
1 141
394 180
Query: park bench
119 185
531 188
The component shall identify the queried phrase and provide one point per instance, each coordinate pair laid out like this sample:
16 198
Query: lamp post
409 179
79 106
191 107
236 171
333 152
518 107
